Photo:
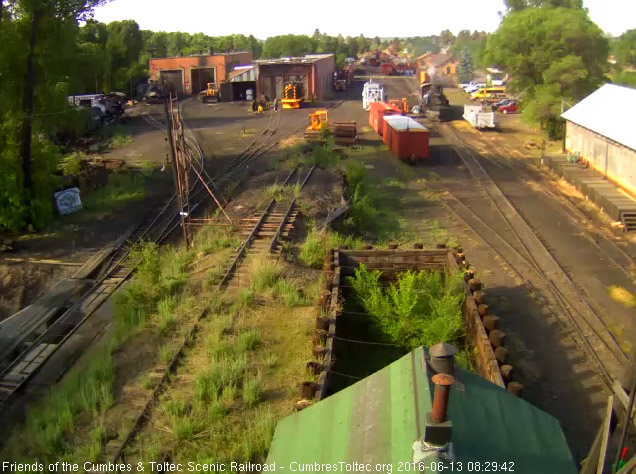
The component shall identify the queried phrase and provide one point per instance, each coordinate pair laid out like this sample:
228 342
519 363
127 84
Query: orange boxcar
407 139
377 112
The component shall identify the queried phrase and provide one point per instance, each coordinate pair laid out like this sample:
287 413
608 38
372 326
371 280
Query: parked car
467 85
509 108
474 88
501 103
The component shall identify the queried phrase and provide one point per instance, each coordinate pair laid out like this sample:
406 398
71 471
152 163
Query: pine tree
465 73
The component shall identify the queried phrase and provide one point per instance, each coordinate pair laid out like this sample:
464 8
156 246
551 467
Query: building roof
243 74
607 111
309 58
442 59
378 419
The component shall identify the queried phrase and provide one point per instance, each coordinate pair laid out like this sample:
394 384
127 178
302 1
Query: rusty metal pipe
440 397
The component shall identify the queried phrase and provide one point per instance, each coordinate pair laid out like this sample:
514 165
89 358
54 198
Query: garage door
200 78
173 81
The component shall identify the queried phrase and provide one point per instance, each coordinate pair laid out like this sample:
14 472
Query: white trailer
478 117
372 92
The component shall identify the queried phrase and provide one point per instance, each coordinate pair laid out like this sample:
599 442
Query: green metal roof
377 420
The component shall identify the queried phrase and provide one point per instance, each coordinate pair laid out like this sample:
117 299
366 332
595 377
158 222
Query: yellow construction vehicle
318 121
292 95
211 94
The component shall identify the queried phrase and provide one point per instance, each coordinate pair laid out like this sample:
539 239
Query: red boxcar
377 112
407 139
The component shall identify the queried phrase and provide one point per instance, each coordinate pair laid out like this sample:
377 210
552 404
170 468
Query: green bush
420 309
17 210
72 164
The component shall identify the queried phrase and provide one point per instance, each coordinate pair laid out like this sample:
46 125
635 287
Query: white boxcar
478 118
372 92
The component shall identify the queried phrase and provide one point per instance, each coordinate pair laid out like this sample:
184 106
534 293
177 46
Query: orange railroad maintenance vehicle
292 95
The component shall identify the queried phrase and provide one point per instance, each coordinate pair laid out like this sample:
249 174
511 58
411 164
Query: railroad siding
613 160
341 263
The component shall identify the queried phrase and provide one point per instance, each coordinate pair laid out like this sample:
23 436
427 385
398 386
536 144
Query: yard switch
438 428
442 358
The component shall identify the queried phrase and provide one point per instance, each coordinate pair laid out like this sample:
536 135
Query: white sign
68 201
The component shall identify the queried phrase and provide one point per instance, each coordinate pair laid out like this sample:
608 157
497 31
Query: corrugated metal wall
323 76
612 160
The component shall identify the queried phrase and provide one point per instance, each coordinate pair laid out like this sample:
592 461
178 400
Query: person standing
275 104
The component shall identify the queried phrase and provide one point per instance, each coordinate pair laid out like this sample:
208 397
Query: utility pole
175 176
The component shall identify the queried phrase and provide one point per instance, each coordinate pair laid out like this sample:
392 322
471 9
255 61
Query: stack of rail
345 132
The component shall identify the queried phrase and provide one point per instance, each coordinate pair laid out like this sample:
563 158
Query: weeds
314 248
120 189
257 439
175 408
423 308
289 293
252 391
270 360
71 165
281 191
263 273
185 428
245 298
248 340
85 389
324 155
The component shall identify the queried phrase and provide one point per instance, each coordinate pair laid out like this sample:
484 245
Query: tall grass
252 391
289 293
313 249
85 389
120 189
421 308
263 273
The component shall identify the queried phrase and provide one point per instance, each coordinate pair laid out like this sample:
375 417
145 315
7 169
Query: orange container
407 139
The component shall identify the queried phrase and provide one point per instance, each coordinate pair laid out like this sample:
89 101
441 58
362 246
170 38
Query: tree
53 19
551 53
517 5
624 48
446 38
465 73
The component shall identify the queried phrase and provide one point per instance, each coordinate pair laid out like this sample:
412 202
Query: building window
448 69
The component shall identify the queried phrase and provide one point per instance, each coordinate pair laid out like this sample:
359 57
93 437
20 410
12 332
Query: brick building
191 74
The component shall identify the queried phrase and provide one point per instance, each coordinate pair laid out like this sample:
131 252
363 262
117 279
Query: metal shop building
315 72
601 129
191 74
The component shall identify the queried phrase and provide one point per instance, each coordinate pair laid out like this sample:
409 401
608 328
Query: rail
613 358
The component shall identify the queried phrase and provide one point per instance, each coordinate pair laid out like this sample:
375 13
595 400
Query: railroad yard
171 353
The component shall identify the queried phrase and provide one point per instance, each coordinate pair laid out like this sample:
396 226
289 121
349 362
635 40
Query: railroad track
34 349
524 252
274 221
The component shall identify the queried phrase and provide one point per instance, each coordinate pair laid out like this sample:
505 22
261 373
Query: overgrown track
36 348
523 251
115 450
